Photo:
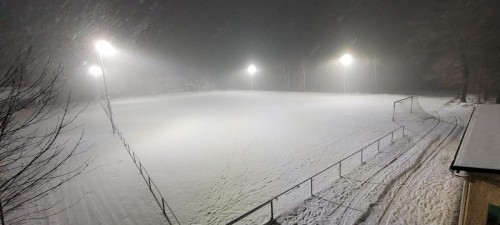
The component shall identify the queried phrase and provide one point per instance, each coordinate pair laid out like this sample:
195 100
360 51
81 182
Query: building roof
479 149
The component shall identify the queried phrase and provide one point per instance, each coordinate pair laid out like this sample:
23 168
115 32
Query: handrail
145 175
398 101
151 184
403 99
310 179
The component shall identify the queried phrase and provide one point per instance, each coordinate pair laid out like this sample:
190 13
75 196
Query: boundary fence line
167 211
310 179
399 101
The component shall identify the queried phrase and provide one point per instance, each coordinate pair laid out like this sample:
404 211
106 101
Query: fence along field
404 109
307 188
160 200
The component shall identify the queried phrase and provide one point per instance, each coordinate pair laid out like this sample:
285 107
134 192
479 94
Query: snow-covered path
409 183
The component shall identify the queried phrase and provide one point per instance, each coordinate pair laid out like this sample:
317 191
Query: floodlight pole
345 60
98 95
344 72
107 94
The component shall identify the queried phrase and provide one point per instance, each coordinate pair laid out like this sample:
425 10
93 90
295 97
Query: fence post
378 145
411 106
362 155
403 131
312 187
272 211
340 169
392 136
393 110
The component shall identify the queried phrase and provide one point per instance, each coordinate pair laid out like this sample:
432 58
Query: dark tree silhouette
457 39
33 158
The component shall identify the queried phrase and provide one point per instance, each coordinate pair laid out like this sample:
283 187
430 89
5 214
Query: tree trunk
465 73
375 74
2 220
288 77
486 84
304 73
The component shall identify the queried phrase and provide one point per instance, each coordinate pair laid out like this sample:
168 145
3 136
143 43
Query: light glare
95 70
252 69
104 47
346 59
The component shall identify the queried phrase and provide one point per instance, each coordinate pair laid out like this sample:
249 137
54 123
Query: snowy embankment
111 191
217 155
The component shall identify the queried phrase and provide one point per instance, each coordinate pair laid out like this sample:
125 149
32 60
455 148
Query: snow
111 191
217 155
408 183
480 147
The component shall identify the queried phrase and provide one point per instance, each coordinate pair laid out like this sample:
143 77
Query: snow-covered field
217 155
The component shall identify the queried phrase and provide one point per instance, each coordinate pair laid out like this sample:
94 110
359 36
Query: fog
163 46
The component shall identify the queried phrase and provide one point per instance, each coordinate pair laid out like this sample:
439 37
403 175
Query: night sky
216 37
214 30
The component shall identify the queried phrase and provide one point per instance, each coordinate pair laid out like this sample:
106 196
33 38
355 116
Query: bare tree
457 39
304 75
33 158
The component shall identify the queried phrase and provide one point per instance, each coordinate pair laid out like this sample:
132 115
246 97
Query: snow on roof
480 148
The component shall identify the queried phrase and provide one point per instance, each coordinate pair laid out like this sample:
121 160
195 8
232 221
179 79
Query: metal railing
167 211
310 179
399 101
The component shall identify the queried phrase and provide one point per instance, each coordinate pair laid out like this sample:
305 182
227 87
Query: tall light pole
251 71
104 47
346 60
96 71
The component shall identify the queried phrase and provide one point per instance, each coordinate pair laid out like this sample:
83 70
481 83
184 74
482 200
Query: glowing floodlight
104 47
95 70
252 69
346 59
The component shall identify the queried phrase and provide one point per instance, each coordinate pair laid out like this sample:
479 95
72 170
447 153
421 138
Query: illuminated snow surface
217 155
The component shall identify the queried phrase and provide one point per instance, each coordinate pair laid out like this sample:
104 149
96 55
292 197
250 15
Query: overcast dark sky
216 31
219 31
216 36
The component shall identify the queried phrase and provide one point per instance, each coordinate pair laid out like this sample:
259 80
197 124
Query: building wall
483 190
